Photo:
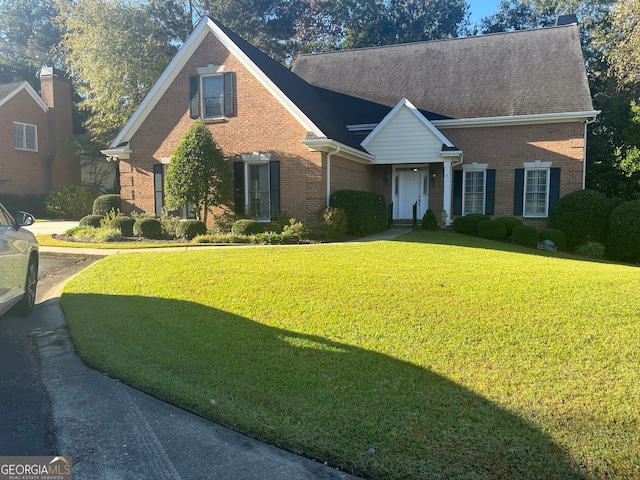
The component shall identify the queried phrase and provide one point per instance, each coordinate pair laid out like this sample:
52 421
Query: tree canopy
197 173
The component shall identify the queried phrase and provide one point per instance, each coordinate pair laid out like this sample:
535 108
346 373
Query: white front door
411 187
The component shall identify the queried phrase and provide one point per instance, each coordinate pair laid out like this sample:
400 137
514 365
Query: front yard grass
435 356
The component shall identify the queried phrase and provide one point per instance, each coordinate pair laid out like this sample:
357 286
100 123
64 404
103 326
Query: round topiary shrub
582 216
525 235
469 223
624 236
124 224
147 228
91 221
334 223
246 226
190 229
556 236
429 220
105 203
492 229
510 223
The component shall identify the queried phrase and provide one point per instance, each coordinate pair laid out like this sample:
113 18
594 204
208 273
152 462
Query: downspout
329 172
584 153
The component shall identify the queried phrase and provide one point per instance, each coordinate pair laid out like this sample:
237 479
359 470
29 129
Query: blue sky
482 8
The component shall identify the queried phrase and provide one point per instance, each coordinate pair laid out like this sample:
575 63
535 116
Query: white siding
405 139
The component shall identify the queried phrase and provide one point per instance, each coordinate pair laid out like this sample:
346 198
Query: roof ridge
440 40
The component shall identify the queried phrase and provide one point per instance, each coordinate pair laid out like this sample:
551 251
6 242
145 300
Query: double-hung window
536 192
212 94
25 137
258 206
474 191
256 187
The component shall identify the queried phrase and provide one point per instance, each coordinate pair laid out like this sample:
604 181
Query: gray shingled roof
517 73
7 88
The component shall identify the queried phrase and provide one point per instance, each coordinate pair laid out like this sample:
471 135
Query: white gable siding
405 139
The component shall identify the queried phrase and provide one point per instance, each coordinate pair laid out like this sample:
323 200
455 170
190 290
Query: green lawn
451 356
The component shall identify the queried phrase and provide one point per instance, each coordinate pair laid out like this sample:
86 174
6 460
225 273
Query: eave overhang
121 152
345 151
587 116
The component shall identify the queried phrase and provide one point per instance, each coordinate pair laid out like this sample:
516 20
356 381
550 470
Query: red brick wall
262 125
24 170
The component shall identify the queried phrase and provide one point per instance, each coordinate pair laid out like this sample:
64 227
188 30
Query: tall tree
115 51
197 173
624 41
27 38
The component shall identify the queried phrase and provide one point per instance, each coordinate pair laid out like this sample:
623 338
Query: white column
446 200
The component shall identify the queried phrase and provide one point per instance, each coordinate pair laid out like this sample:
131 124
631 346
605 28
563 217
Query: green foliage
147 228
124 224
222 238
246 226
190 229
223 222
556 236
70 201
429 220
95 235
591 250
295 231
34 204
525 235
366 211
94 221
107 203
492 229
334 223
468 224
624 232
583 216
509 223
197 174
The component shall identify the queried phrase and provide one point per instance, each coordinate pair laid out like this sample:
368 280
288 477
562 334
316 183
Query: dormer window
212 94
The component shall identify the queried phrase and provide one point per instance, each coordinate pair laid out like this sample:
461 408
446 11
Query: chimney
570 19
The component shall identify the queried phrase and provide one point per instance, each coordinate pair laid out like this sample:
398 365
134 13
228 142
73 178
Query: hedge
366 211
624 237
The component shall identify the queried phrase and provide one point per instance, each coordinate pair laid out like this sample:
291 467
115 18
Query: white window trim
24 137
202 98
547 186
475 167
255 159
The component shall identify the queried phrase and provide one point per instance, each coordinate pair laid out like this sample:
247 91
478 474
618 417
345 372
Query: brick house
36 150
491 124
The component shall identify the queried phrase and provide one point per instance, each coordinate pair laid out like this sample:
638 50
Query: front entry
411 186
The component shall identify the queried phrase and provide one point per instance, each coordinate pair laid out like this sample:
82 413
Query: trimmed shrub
525 235
624 237
295 231
221 238
223 222
246 226
510 223
556 236
124 224
95 235
90 221
70 201
429 220
469 223
190 229
105 203
492 229
147 228
591 250
334 223
582 216
366 211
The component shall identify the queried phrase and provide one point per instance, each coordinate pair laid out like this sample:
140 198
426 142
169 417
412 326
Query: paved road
26 426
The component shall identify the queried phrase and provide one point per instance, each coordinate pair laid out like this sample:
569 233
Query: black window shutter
518 191
554 187
489 199
158 188
193 96
238 187
274 187
229 94
457 192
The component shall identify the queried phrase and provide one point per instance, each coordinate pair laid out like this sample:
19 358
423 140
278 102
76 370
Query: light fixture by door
433 178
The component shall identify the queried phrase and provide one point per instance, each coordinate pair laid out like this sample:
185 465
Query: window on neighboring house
212 96
25 137
473 191
257 187
159 172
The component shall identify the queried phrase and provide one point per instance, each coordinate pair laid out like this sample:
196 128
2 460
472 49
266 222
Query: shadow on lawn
312 396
